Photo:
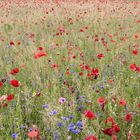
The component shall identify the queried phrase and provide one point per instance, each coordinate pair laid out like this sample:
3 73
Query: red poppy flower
81 30
81 54
122 102
108 131
136 36
116 128
40 48
15 83
14 71
100 56
38 94
10 97
40 54
96 39
33 134
133 67
91 137
54 66
95 73
101 100
18 43
110 81
110 119
1 84
82 66
89 75
87 67
57 34
81 74
138 69
67 72
128 117
114 137
74 57
135 52
112 131
12 43
89 114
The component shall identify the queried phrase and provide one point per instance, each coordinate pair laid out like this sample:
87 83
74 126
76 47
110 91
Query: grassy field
69 70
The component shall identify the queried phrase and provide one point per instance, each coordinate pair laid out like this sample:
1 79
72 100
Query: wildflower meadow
70 70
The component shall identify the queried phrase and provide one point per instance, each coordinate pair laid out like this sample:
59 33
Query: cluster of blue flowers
76 129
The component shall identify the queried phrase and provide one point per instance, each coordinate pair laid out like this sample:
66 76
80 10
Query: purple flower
102 87
65 118
45 106
82 96
22 127
62 100
54 112
30 129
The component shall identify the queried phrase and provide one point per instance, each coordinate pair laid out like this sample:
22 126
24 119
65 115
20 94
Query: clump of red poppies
40 53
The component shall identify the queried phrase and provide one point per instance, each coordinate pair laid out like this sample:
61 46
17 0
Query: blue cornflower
30 129
65 118
79 124
59 124
71 117
71 126
45 106
14 135
56 136
75 131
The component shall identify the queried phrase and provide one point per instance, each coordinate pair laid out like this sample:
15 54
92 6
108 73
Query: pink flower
62 100
3 97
